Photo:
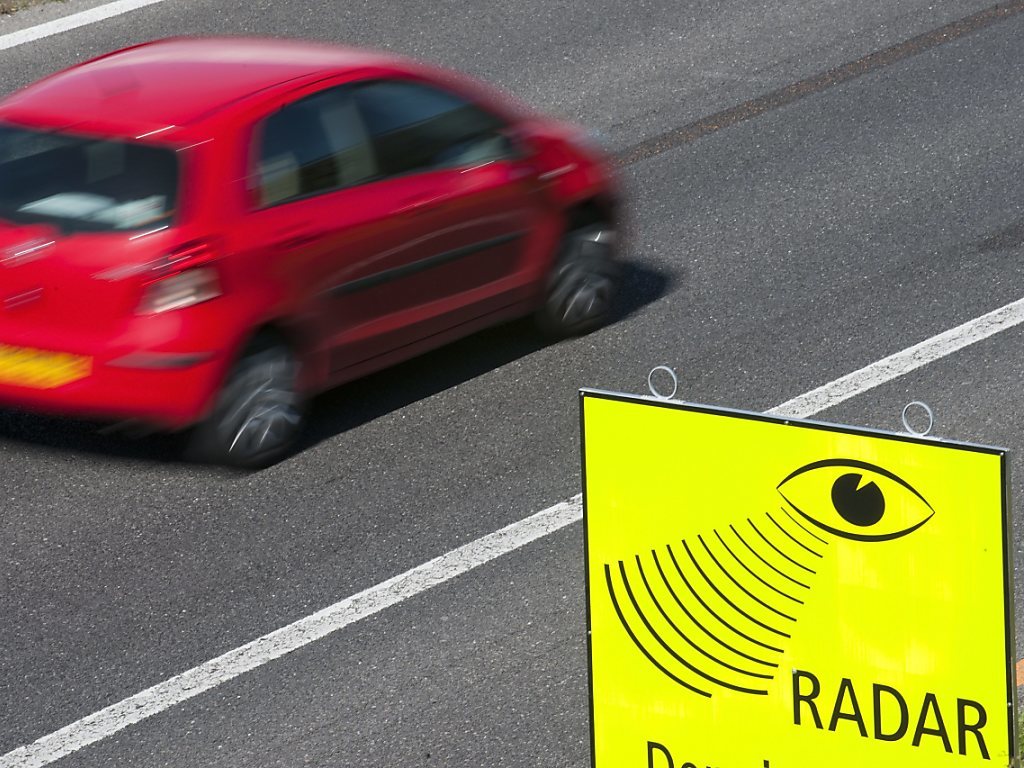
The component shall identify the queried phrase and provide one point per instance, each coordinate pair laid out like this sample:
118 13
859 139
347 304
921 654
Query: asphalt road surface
773 251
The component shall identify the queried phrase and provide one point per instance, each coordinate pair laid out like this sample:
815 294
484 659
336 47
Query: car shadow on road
374 396
350 405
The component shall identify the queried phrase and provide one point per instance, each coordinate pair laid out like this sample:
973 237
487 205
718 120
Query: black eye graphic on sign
714 612
855 500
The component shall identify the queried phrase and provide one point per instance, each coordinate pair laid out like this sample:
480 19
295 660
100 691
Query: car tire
259 412
581 286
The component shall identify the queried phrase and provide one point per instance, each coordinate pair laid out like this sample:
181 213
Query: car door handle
290 239
418 204
557 172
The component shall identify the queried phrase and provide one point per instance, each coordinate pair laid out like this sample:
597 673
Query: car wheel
259 412
582 284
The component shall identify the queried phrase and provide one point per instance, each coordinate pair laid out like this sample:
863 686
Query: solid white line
272 646
74 21
908 360
292 637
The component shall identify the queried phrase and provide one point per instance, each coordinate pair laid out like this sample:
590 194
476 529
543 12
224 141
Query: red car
201 234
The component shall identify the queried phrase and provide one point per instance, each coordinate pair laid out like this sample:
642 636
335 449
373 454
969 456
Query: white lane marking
910 359
74 21
272 646
292 637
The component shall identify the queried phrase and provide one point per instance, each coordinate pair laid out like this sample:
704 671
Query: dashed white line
276 644
74 21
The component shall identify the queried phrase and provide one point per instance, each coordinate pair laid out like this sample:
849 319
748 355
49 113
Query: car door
464 198
316 220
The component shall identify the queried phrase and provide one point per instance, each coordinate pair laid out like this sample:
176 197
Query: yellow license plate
39 369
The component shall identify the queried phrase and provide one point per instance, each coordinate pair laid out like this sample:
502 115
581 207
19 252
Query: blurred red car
204 233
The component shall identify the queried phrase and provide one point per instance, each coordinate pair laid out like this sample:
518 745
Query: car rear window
85 184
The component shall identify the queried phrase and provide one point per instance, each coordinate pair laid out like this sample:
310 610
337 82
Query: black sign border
680 405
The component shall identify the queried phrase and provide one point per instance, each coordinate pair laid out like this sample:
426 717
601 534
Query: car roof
177 82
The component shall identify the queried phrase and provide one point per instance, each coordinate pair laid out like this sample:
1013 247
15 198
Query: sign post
765 593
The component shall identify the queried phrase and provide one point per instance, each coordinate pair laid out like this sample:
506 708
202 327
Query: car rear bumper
165 389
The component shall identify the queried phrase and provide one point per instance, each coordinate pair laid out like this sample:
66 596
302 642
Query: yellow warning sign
772 594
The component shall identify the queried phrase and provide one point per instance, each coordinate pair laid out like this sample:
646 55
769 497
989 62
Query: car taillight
184 278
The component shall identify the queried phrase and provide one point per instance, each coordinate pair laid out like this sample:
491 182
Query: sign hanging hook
654 390
928 413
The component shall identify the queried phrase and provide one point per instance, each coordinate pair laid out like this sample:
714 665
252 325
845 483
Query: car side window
315 145
416 127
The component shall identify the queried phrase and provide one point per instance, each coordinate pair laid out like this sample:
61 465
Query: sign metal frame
813 424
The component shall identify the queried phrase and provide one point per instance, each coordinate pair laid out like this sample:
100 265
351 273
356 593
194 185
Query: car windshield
85 184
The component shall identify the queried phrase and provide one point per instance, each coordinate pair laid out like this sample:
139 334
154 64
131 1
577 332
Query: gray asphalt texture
766 259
